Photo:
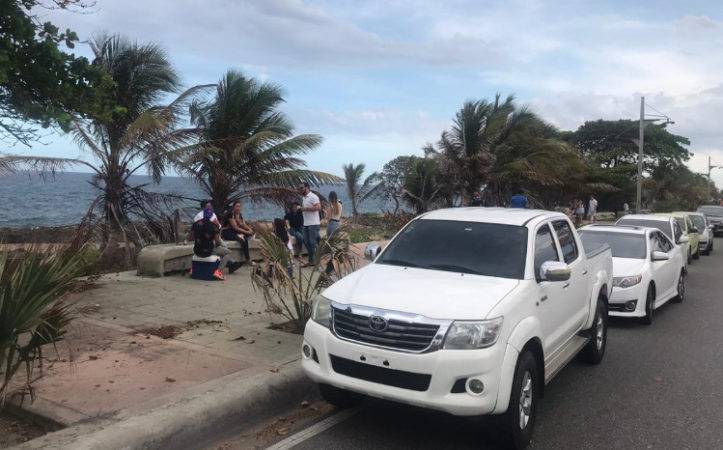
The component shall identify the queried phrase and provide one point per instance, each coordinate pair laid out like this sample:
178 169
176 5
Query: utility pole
639 194
711 167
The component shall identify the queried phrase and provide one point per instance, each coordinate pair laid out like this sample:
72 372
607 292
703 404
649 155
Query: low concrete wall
160 260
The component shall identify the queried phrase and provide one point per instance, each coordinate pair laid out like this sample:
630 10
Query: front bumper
446 367
620 296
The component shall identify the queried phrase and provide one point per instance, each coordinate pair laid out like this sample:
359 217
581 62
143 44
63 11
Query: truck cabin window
490 249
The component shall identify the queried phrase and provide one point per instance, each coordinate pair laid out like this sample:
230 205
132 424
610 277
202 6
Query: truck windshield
464 247
662 225
622 245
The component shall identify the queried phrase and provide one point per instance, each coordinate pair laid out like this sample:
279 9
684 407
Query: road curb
235 402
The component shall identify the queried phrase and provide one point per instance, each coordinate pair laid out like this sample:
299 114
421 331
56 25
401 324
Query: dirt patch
286 327
163 332
15 430
202 323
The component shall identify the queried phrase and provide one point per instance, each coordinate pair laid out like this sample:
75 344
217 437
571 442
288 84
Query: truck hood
432 293
627 267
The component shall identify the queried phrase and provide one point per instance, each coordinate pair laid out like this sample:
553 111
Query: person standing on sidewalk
592 209
310 207
295 219
334 214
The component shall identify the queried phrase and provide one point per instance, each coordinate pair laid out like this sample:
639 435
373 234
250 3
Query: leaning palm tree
246 147
356 189
467 152
139 134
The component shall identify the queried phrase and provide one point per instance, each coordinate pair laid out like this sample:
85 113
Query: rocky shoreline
50 235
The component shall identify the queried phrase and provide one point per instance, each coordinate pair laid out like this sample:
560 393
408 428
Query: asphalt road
660 386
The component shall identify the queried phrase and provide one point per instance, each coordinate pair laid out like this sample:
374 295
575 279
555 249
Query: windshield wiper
399 262
454 268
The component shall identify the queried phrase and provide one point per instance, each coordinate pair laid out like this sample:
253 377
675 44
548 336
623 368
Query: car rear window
699 222
495 250
622 245
712 210
662 225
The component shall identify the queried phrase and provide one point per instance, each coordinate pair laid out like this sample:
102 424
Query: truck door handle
543 298
566 285
584 272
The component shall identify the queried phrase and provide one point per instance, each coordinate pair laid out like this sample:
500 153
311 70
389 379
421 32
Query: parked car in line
707 236
714 214
648 268
689 230
663 222
471 311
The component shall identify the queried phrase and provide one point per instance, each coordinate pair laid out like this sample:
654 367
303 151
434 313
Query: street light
641 139
711 167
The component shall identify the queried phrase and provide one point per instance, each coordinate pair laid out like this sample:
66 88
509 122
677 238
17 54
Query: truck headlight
626 282
464 334
321 311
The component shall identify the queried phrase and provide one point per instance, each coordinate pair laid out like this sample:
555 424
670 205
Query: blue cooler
203 268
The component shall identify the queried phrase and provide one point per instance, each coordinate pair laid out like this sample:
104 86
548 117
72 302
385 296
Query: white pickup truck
467 310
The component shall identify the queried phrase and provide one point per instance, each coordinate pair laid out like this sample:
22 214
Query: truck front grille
397 334
390 377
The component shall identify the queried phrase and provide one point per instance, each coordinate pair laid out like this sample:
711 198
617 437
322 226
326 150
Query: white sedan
648 268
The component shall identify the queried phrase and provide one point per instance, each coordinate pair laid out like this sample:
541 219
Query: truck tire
680 296
649 306
518 422
696 255
594 351
339 398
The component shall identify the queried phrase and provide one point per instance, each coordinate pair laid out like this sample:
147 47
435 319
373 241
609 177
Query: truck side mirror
372 251
683 239
554 271
659 256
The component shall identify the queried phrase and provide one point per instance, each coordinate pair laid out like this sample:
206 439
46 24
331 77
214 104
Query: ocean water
31 201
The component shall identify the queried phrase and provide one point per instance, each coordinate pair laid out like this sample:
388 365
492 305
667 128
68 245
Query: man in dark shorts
295 218
206 238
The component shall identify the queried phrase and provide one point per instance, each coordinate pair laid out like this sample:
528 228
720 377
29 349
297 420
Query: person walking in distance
476 199
591 209
310 207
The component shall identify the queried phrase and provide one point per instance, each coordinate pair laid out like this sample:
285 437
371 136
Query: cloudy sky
381 78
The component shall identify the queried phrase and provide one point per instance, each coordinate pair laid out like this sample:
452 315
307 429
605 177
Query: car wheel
649 306
681 288
697 254
594 351
690 257
519 420
340 398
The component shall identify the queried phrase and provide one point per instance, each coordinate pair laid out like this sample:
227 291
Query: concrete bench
159 260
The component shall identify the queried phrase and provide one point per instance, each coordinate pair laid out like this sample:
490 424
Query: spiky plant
291 295
32 314
247 148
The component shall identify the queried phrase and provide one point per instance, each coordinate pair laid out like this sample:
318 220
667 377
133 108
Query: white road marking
319 427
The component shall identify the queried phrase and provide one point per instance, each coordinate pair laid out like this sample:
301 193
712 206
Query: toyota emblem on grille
377 323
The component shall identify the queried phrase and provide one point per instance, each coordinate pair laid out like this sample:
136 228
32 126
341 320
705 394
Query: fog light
630 305
475 386
306 350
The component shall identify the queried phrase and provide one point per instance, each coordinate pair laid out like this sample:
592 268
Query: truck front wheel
519 420
340 398
594 351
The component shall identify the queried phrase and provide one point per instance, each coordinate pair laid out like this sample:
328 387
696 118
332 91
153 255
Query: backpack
204 234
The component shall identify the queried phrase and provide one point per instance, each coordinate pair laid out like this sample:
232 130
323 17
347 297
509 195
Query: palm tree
357 190
247 148
139 134
467 152
422 189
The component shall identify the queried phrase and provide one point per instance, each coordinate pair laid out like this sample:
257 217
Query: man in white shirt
310 207
592 209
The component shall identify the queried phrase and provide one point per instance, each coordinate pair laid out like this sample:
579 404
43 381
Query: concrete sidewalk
164 344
